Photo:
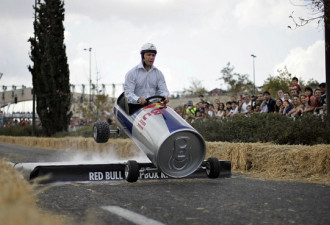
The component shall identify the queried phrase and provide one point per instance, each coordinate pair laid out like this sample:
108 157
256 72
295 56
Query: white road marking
131 216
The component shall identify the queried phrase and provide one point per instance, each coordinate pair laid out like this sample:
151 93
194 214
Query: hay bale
266 160
17 204
289 162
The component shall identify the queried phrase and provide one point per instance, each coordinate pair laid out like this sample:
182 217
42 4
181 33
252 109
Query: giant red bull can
171 143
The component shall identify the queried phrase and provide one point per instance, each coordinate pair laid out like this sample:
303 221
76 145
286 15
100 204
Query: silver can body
170 143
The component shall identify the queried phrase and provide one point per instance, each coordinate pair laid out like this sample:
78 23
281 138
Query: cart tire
212 167
132 171
101 132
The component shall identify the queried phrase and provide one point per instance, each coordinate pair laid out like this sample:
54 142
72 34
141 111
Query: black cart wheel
101 132
212 167
132 171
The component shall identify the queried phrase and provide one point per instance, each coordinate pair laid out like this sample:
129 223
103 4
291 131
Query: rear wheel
132 171
212 167
101 132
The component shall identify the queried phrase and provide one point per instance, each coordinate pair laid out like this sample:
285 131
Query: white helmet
148 47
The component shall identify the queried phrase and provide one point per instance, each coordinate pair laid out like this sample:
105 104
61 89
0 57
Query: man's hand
142 101
166 100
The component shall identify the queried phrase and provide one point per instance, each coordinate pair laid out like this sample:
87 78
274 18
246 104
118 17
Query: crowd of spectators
15 119
296 102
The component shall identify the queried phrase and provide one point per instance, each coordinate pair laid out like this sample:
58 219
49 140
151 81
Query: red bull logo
155 112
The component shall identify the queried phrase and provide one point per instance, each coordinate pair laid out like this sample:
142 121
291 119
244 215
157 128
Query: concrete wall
9 96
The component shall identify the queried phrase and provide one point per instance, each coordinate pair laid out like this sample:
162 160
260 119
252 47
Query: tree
50 70
237 83
312 84
317 8
281 81
196 88
98 108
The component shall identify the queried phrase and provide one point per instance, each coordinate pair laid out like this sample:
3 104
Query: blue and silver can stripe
168 140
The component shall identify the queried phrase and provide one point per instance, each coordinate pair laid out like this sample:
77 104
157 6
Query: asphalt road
236 200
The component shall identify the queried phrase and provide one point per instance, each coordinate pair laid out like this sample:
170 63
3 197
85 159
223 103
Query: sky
195 39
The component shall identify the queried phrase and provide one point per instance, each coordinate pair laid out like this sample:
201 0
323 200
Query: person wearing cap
144 80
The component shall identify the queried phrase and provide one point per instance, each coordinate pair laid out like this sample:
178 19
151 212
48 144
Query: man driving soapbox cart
173 146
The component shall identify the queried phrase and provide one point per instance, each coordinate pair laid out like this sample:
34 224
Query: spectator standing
216 108
184 108
253 101
286 96
318 96
280 94
260 97
322 87
295 109
268 105
221 112
249 110
190 111
257 108
205 105
323 108
304 104
278 105
295 85
178 111
259 100
216 101
211 111
246 103
228 108
240 103
234 109
294 93
301 109
198 106
311 100
233 98
199 116
286 107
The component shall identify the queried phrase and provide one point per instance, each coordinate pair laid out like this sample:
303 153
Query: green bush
20 131
268 127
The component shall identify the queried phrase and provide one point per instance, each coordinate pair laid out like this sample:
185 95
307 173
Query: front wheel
212 167
101 132
132 171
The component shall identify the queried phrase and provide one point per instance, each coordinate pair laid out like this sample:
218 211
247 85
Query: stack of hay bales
290 162
266 160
